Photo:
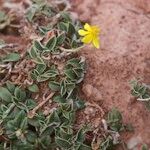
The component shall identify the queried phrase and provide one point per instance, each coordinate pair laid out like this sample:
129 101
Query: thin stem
31 114
7 112
144 99
72 50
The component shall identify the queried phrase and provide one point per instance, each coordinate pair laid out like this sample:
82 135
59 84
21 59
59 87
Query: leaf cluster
40 132
141 91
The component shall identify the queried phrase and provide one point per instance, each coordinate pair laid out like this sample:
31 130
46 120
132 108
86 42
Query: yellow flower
90 35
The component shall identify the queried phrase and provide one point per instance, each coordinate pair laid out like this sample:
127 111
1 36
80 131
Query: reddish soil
124 55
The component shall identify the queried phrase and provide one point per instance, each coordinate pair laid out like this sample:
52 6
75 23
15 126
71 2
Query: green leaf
24 124
54 118
42 78
3 16
31 13
50 73
71 30
50 45
45 142
59 99
61 39
107 144
66 133
63 26
10 86
145 147
38 46
80 137
19 118
80 104
31 137
55 86
66 16
63 90
62 143
19 94
114 120
70 74
40 68
5 95
38 60
84 147
33 53
31 103
12 57
33 88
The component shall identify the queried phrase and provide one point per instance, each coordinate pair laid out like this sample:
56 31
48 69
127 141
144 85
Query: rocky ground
124 55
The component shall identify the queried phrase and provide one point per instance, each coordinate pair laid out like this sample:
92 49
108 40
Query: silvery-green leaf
63 26
33 52
47 10
71 29
70 74
114 120
61 39
45 142
50 45
5 95
66 133
12 57
66 16
53 118
84 147
62 143
50 73
63 90
20 94
55 86
80 136
19 118
80 104
24 124
38 60
10 86
33 88
30 103
31 137
34 74
40 68
145 147
3 16
31 13
38 46
59 99
41 78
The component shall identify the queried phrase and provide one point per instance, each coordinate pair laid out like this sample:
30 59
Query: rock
89 111
92 92
134 142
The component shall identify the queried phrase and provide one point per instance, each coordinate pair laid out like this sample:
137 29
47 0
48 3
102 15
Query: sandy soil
124 55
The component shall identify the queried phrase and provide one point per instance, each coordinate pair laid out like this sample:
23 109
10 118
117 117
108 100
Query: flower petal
87 27
83 32
96 29
96 42
87 39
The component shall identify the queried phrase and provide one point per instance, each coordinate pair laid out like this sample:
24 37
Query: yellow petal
96 42
96 29
87 39
87 27
82 32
